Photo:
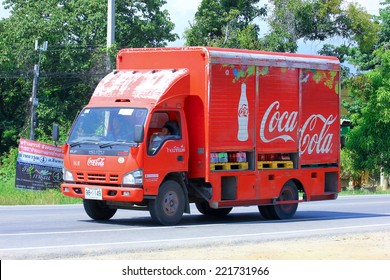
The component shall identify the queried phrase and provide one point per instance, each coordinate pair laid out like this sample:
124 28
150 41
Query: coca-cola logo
243 111
320 143
282 125
281 122
96 162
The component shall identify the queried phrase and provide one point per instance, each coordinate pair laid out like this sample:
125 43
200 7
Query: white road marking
197 238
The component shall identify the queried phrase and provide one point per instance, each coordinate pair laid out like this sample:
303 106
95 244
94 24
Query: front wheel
168 207
98 210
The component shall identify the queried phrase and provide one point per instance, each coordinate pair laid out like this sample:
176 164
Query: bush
8 165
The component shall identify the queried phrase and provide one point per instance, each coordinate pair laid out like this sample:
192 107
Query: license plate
95 193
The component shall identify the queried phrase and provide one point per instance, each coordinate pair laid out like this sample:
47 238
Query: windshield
107 125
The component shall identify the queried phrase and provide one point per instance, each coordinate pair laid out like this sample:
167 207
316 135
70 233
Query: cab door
169 153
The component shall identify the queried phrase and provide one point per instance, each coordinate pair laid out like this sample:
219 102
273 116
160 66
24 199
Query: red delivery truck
216 127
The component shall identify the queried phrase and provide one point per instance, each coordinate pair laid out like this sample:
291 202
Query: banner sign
39 165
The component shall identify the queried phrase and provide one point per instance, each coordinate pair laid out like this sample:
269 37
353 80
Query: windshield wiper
78 143
116 143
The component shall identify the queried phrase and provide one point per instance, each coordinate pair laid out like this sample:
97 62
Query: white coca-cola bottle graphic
243 114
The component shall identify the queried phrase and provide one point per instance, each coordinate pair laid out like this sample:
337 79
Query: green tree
319 20
226 23
366 59
368 144
237 24
75 59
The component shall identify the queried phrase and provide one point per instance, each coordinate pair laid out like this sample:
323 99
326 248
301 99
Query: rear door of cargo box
319 125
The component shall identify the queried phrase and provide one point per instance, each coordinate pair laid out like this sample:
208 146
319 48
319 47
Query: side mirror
55 133
138 133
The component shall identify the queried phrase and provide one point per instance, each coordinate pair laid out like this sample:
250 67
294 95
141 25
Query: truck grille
97 177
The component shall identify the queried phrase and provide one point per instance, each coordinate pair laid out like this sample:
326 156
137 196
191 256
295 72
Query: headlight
133 178
67 175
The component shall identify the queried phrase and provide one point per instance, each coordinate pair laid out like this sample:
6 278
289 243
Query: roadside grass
9 195
363 191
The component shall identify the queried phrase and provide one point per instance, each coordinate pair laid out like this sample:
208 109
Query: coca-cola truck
241 128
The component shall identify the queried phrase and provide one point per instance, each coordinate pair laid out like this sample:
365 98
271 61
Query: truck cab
116 154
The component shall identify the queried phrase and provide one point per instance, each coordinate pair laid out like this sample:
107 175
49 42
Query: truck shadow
239 218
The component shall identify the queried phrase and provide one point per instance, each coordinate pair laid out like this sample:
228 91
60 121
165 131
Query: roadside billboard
39 165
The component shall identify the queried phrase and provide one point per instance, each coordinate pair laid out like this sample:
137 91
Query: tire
168 207
97 210
266 212
204 208
282 211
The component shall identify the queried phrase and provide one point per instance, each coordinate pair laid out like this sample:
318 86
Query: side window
164 125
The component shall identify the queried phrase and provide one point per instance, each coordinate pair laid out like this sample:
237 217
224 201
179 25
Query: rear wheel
168 207
282 211
266 212
98 210
204 208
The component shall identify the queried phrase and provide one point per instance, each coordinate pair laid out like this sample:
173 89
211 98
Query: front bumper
119 194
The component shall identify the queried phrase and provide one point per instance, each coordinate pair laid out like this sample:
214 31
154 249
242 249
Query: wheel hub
171 203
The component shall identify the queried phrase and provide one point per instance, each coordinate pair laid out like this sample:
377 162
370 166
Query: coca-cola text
313 142
315 135
285 122
96 162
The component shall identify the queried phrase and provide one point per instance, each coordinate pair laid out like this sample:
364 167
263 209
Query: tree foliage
74 61
369 140
366 59
226 23
319 20
237 24
368 143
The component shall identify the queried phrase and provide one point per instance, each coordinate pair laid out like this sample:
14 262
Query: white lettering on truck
282 122
320 143
96 162
286 122
176 149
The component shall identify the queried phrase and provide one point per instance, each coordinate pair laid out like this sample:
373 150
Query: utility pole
110 30
34 99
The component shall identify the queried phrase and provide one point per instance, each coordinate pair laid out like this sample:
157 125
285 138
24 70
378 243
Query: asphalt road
65 231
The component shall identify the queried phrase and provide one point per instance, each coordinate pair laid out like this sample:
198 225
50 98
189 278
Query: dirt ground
365 246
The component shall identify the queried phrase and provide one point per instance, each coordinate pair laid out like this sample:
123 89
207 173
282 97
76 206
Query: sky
182 12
